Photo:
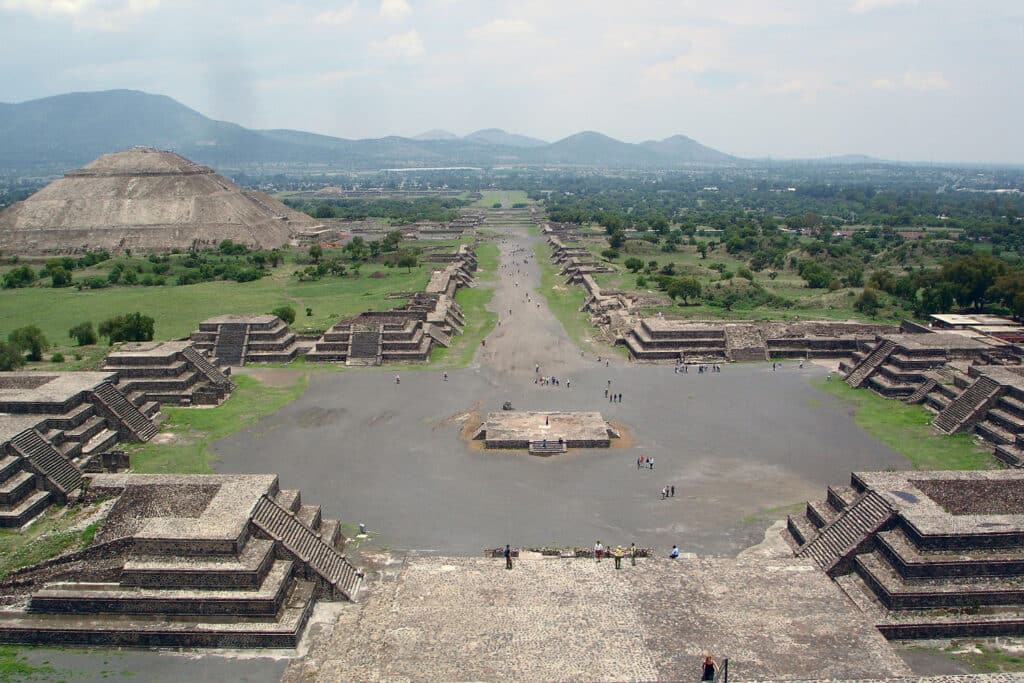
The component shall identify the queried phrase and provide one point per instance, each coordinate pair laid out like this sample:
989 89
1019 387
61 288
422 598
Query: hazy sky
929 80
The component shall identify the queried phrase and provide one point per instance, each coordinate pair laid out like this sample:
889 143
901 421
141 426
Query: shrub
745 274
29 339
83 333
641 281
11 357
610 254
129 327
57 357
633 264
868 303
22 276
285 313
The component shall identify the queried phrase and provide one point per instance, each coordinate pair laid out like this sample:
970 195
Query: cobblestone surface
441 619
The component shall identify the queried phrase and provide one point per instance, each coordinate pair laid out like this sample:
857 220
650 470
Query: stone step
801 529
30 506
330 531
247 570
125 411
15 488
1005 419
9 466
116 598
820 513
898 594
993 433
103 441
911 562
86 430
1010 455
310 516
289 499
945 623
841 497
61 476
282 631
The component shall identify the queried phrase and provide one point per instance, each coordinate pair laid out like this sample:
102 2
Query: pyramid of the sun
145 200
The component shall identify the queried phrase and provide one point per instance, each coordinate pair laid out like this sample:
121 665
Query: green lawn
506 197
487 261
47 537
907 430
563 300
479 323
195 428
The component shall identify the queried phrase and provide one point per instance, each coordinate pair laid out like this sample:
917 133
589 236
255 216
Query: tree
285 313
867 303
702 247
83 333
316 252
60 276
815 274
616 239
972 276
323 211
128 327
407 260
633 264
29 339
11 357
22 276
610 254
684 288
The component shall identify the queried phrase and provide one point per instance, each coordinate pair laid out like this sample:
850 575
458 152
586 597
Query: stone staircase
921 392
364 347
229 348
307 545
841 538
60 474
869 364
125 412
968 406
204 366
547 448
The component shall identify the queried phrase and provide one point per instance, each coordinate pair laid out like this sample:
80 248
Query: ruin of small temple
234 340
145 200
171 372
53 428
930 554
185 561
545 432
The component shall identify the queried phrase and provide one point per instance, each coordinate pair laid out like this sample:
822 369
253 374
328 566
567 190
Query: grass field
907 430
506 197
473 301
195 428
805 303
50 535
563 300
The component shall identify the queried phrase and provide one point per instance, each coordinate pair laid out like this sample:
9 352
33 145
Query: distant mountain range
67 131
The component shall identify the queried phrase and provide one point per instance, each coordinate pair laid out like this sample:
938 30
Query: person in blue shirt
675 553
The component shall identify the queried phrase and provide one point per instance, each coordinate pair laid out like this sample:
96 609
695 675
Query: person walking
673 491
445 375
650 463
708 669
598 550
398 380
617 553
632 554
508 557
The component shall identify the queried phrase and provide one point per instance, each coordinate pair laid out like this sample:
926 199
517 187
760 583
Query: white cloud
105 15
501 29
395 9
406 45
336 17
918 81
864 6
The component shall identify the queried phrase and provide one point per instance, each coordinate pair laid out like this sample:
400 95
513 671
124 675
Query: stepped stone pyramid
173 372
55 426
924 554
146 200
185 561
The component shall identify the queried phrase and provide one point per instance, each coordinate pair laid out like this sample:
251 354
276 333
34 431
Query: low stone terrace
185 561
925 554
53 426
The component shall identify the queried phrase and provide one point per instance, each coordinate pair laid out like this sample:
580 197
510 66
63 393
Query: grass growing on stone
47 537
986 658
563 300
479 323
15 667
194 429
907 430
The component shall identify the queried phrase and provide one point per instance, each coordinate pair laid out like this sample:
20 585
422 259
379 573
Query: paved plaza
444 619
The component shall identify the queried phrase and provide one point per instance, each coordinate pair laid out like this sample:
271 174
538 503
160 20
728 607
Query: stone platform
444 619
926 554
509 429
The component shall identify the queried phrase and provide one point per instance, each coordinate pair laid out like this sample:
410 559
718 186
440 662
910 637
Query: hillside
53 134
